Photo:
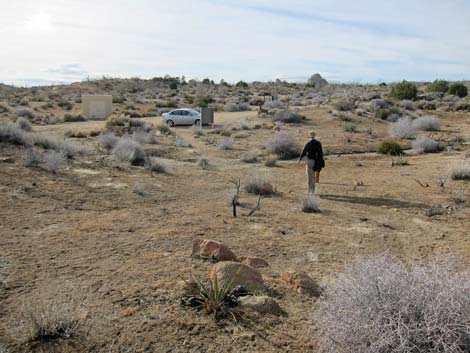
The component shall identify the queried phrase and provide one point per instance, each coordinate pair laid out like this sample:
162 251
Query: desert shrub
32 159
350 127
76 134
129 151
204 163
283 145
377 104
119 99
226 144
24 124
236 107
390 147
122 123
427 123
158 165
179 142
259 184
163 129
380 305
241 84
384 114
403 128
69 118
65 105
343 105
53 160
460 171
25 113
270 161
311 204
438 86
203 102
250 157
407 104
404 90
170 103
144 136
107 140
425 144
344 117
3 109
400 160
57 144
276 104
458 89
11 133
288 116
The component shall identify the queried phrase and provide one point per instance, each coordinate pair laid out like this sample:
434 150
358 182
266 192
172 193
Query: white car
182 117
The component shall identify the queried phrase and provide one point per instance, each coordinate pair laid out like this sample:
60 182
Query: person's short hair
311 134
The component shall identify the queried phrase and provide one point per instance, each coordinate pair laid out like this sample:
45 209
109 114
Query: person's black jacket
313 150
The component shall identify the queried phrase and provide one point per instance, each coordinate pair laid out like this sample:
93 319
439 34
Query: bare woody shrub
236 107
24 124
53 161
380 306
58 144
11 133
259 184
284 145
427 123
403 128
311 204
250 157
107 140
425 144
129 151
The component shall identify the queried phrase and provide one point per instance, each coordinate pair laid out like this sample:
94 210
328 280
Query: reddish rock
237 274
302 283
255 262
214 250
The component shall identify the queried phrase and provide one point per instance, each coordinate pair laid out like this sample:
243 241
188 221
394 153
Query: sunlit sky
51 41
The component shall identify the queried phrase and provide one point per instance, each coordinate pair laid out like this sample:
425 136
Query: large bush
11 133
425 144
284 145
404 90
288 116
381 306
438 86
427 123
403 128
129 151
458 89
390 147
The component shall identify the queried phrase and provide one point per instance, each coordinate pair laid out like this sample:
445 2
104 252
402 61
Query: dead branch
236 196
254 209
425 185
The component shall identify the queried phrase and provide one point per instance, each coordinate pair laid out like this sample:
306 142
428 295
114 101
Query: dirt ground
129 252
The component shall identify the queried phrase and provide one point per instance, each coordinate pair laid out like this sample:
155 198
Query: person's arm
304 152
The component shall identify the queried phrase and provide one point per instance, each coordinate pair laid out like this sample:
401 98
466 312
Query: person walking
314 162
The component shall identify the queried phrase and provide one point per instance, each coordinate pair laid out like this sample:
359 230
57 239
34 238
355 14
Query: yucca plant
214 297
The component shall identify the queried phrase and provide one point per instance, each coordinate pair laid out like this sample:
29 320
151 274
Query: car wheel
197 122
170 123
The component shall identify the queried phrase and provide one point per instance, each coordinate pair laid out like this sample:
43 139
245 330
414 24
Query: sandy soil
130 254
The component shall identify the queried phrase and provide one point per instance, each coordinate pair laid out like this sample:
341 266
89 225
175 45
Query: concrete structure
98 106
207 116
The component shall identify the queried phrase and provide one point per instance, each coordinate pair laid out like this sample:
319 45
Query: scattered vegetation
401 160
69 118
259 184
403 128
25 113
382 305
425 144
460 171
404 90
288 116
427 123
226 144
350 127
311 204
129 151
107 140
49 142
24 124
158 165
204 163
53 161
458 89
236 107
343 105
438 86
11 133
271 161
250 157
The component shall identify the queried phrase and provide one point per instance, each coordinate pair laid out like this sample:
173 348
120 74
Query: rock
316 81
211 249
262 304
302 283
255 262
237 274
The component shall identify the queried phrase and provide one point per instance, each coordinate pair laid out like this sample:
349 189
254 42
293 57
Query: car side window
176 112
184 112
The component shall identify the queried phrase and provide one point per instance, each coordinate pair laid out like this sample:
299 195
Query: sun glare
39 22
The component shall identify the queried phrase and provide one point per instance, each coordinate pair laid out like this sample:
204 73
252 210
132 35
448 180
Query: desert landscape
119 235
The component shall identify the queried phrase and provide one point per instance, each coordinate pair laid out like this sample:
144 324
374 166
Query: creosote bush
427 123
438 86
380 305
53 161
458 89
283 145
404 90
259 184
390 147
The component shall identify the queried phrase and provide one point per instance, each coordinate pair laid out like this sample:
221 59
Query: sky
61 41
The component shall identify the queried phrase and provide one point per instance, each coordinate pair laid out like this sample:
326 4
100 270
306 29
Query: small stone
262 304
255 262
302 283
213 250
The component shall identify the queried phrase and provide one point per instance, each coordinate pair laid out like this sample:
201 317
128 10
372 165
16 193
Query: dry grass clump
58 144
275 104
427 123
24 124
460 171
425 144
271 161
25 113
403 128
283 145
32 159
259 184
11 133
343 105
129 151
311 204
288 116
144 136
236 107
379 306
